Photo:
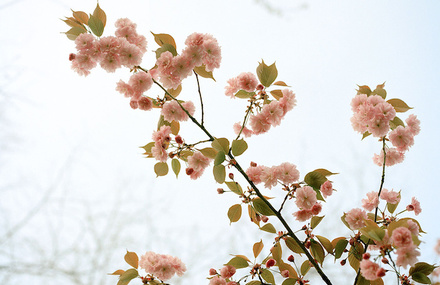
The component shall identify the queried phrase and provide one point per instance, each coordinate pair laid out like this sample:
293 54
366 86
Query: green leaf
261 207
340 247
244 94
219 158
315 221
317 251
305 267
422 267
164 48
268 228
366 134
175 127
117 272
257 248
315 179
74 32
127 276
324 172
238 262
277 252
96 25
161 168
162 39
219 173
201 70
289 281
221 144
239 147
175 165
372 230
267 74
399 105
421 278
364 89
268 276
293 246
277 94
380 91
234 187
209 152
234 213
148 148
355 255
81 17
392 207
325 243
394 123
132 259
100 14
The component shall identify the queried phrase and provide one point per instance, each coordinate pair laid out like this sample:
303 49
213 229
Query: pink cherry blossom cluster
138 83
197 164
307 202
112 52
402 241
161 140
372 114
271 114
161 266
285 173
222 278
246 81
201 50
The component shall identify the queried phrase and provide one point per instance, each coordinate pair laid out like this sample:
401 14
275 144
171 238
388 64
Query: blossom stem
245 119
382 181
257 191
200 96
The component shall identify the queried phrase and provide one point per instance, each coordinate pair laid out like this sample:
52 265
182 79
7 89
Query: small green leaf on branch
268 276
100 14
209 152
81 17
219 158
293 246
117 272
315 221
175 165
267 74
162 39
399 105
132 259
257 248
221 144
96 25
219 172
201 70
74 32
239 147
234 187
244 94
277 94
127 276
268 228
261 207
161 168
234 213
238 262
164 48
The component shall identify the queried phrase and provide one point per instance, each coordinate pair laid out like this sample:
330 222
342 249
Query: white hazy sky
79 136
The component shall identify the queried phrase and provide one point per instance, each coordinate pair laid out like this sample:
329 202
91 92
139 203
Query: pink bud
212 271
220 190
189 171
291 258
366 255
285 273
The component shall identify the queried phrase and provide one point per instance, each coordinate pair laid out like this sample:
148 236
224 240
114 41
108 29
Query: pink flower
172 111
413 124
407 256
413 227
227 271
270 262
161 266
83 63
287 173
437 247
401 237
288 101
303 215
273 113
371 202
110 62
269 176
355 218
414 206
246 132
393 156
130 54
124 88
183 66
254 173
232 87
145 103
391 197
402 138
357 101
211 56
212 271
198 162
259 123
217 280
285 273
305 197
326 189
139 83
369 269
247 81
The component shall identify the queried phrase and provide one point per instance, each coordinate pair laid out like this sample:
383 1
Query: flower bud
189 171
72 56
178 139
291 258
253 164
366 255
220 191
285 273
343 262
231 176
212 271
385 260
264 219
381 272
271 262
